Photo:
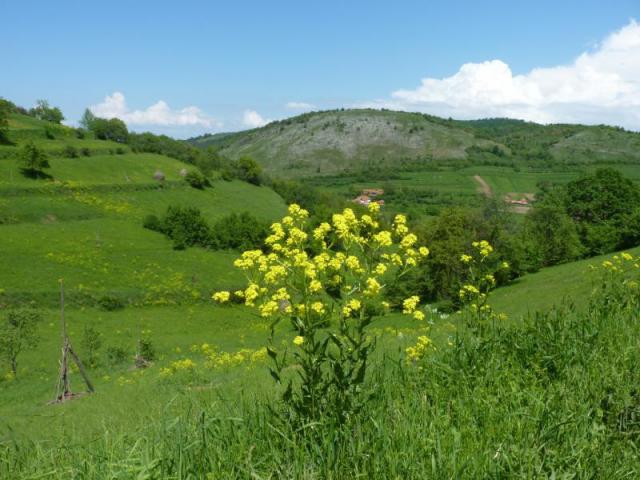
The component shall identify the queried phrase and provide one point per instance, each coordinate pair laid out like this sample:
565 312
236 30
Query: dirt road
483 187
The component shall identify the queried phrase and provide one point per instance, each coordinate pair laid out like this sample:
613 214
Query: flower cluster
328 281
480 281
418 351
621 279
351 254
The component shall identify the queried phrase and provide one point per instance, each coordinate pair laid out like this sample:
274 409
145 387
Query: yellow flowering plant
481 279
620 281
327 281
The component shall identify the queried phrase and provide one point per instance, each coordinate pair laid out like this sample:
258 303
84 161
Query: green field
84 225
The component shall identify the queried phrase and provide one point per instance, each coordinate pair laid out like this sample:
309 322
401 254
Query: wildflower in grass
481 279
298 340
221 297
410 304
417 352
318 307
327 293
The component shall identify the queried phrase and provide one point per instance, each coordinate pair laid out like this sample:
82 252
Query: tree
33 160
6 108
18 332
549 237
87 119
44 111
112 129
249 170
600 204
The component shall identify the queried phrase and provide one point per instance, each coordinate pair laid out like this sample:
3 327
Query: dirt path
483 187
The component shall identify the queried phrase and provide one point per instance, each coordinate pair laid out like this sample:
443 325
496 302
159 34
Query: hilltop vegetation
340 141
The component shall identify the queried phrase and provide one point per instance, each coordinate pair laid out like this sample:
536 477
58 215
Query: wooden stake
63 390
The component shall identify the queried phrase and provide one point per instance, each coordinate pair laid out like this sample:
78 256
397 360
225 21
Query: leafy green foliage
196 179
33 160
6 108
113 129
187 227
87 119
549 237
43 111
248 170
91 343
601 205
18 332
238 231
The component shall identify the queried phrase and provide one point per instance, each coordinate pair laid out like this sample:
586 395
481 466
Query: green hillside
336 141
84 223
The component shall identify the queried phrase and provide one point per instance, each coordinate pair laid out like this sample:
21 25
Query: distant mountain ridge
333 141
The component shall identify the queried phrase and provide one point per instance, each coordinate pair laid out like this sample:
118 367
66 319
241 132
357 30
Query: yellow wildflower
318 307
315 286
221 296
410 304
373 287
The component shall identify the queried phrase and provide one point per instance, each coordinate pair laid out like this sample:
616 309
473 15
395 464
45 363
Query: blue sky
238 64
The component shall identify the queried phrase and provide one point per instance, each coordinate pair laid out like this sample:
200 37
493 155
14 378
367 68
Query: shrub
70 151
33 160
146 350
113 129
18 332
45 112
91 343
242 231
120 151
85 152
196 179
110 303
186 227
152 222
80 133
117 355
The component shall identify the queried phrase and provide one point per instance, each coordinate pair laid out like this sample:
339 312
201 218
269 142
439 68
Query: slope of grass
23 128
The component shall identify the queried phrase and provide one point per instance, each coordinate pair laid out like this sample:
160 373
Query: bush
152 222
186 227
146 350
110 303
196 179
33 160
113 129
70 151
242 231
120 151
80 133
49 133
85 152
117 355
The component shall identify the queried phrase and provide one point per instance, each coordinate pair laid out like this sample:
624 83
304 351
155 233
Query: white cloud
299 106
253 119
115 106
600 86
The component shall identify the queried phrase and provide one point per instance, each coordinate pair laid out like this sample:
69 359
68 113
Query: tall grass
556 397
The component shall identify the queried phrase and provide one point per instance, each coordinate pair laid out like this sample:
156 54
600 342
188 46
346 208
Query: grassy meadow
550 392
